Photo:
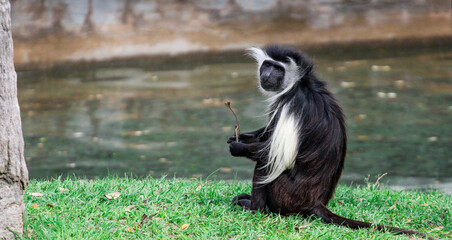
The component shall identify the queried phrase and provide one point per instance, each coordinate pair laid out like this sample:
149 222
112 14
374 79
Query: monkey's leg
243 200
257 201
259 191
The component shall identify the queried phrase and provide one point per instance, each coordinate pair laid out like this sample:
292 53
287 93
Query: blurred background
137 87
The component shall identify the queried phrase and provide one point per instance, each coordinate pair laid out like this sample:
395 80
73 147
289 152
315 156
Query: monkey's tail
329 217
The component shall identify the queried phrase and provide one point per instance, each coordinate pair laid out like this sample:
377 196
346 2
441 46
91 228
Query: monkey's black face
271 76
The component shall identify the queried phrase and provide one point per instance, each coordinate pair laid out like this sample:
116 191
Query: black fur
307 188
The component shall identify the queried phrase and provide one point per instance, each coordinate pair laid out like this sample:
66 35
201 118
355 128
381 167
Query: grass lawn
200 209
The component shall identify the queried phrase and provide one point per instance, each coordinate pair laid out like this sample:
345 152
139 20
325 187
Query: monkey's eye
276 66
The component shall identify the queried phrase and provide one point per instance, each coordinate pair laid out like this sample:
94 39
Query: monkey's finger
246 136
231 139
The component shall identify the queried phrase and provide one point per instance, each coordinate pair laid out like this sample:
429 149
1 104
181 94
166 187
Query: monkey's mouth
268 85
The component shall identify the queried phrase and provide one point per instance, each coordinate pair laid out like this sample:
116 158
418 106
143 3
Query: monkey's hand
244 138
238 149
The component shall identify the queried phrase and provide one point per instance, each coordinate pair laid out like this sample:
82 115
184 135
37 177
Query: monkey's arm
251 137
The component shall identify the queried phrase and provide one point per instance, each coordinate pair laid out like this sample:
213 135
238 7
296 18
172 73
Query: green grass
200 209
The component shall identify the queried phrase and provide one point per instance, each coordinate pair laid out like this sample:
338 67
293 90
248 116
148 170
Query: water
167 117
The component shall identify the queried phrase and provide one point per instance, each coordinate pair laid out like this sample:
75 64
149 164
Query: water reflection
150 118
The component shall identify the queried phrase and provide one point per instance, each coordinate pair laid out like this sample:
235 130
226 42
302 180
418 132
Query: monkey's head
271 75
279 68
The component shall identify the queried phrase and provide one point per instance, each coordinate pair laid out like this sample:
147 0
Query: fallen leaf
439 228
130 229
50 205
393 207
340 203
63 189
35 206
184 226
114 195
144 219
36 194
130 207
199 187
298 228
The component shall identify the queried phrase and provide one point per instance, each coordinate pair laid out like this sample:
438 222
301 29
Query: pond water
166 116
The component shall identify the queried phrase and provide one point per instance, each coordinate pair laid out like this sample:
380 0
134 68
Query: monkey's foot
243 200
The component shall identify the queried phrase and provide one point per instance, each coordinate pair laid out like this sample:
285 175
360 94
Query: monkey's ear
292 66
293 71
257 53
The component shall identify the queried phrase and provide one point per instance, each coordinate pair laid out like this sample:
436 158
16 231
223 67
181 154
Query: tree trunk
13 170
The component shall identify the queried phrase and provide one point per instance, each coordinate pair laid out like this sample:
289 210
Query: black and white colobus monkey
300 153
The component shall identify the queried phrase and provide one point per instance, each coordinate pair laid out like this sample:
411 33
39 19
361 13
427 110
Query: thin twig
237 127
376 184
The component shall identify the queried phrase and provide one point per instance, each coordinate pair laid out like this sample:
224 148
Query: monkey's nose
265 75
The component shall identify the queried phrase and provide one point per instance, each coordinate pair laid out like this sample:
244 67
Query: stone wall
48 32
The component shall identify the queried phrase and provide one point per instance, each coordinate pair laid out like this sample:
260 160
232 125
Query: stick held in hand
237 127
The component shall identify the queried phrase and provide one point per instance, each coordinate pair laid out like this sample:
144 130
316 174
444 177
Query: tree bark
13 170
